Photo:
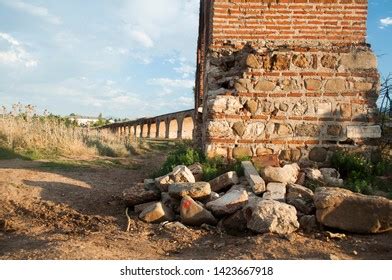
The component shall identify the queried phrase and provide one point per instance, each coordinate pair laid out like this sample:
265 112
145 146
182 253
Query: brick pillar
293 78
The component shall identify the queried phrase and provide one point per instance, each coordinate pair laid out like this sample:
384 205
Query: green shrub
360 174
185 154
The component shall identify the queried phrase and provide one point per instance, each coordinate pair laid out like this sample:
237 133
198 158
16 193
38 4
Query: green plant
361 175
183 154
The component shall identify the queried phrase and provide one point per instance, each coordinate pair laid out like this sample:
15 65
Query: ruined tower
293 78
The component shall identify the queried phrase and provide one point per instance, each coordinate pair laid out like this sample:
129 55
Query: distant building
83 120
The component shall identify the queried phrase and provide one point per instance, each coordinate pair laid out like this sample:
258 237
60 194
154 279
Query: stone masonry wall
293 78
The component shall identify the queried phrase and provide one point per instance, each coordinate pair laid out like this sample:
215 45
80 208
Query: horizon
128 60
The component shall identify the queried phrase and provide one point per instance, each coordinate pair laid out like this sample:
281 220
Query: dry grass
24 133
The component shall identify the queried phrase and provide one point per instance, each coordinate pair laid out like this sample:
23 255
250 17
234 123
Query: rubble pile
270 201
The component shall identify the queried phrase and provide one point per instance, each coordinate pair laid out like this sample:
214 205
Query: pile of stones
270 200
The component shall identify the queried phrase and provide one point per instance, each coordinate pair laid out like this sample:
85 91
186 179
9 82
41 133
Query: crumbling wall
293 78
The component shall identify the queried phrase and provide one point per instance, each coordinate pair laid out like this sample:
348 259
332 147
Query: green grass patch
6 153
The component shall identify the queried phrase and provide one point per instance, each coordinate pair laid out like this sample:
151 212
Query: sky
122 58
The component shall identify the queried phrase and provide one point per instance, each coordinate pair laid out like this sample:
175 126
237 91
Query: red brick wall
327 20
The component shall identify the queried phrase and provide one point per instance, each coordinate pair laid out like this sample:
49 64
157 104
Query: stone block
255 181
354 132
318 154
335 85
312 84
242 152
265 85
359 60
229 203
275 191
252 61
224 181
307 130
198 190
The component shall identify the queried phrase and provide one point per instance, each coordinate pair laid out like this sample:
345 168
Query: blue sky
124 58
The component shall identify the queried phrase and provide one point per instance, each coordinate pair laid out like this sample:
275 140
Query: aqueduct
178 125
293 78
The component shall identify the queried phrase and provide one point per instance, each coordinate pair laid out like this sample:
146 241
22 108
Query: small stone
264 151
331 177
287 174
265 85
180 174
229 203
329 61
149 184
312 84
235 224
255 181
239 128
309 223
140 207
137 194
281 62
318 154
295 191
262 161
284 107
345 110
335 130
283 129
307 130
251 106
156 213
363 86
301 61
193 214
175 227
300 108
271 216
252 62
199 190
224 181
197 171
335 85
276 191
242 152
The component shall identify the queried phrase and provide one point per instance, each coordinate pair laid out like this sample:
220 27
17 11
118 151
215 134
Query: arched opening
162 129
173 129
153 130
187 128
145 131
138 130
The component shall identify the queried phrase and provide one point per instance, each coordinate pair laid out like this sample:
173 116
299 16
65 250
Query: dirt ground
76 213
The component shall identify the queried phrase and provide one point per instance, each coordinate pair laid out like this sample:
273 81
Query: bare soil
55 213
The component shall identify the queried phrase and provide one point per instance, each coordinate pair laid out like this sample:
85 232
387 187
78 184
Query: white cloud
14 53
186 70
170 84
33 10
142 38
385 22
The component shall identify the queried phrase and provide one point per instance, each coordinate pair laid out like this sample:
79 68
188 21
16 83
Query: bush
185 154
360 174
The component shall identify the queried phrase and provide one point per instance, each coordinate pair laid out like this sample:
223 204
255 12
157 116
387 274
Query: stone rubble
233 204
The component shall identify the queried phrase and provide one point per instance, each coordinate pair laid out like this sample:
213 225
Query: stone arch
153 130
187 128
173 129
145 130
162 129
138 130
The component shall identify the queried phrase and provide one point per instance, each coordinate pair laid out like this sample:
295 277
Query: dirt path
76 213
